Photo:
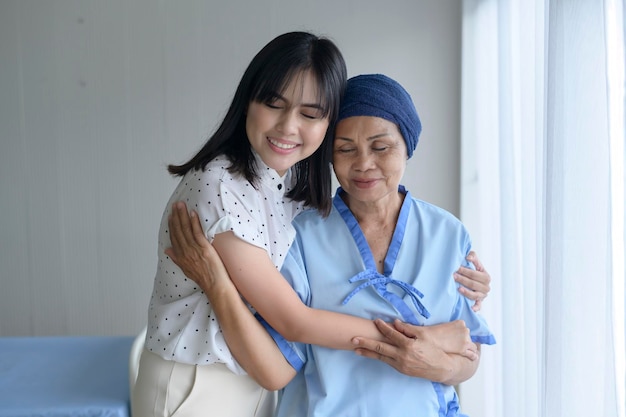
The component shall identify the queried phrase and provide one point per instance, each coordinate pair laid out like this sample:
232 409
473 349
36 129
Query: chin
281 169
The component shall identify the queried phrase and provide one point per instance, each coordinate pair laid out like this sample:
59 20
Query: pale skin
290 128
438 347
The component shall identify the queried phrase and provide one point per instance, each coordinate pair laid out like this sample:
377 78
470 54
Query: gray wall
96 97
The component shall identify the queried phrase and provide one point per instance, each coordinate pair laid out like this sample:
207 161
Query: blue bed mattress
64 376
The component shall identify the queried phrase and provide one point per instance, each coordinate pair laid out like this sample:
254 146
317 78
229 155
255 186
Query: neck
383 212
377 221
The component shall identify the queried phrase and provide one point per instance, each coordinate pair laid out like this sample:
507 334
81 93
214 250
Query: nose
288 122
363 160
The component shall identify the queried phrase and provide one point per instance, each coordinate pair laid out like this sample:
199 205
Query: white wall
96 97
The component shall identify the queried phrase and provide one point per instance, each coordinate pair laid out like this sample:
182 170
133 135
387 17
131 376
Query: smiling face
290 127
369 159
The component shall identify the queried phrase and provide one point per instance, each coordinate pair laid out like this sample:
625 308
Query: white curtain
543 197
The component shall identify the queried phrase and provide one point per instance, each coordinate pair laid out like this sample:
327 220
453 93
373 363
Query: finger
176 225
470 354
185 223
373 348
399 334
473 280
173 227
382 348
201 240
472 351
375 355
477 305
473 258
472 295
196 229
406 330
170 252
481 277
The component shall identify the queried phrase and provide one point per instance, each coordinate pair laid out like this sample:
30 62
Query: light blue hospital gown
331 267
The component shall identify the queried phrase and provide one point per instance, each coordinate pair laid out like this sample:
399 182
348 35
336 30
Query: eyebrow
316 106
377 136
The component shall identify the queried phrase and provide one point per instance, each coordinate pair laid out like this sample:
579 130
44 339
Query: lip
281 146
364 182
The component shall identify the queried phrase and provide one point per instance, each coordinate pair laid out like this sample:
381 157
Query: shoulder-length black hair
269 72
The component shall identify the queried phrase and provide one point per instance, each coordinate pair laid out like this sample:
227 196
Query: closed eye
273 105
312 111
275 101
311 116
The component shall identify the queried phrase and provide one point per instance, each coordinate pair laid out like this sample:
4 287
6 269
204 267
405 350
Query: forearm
411 350
324 328
263 286
460 369
446 368
248 341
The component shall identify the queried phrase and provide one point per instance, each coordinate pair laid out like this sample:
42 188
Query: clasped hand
421 351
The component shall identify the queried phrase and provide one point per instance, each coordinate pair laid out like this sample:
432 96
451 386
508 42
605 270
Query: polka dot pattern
181 324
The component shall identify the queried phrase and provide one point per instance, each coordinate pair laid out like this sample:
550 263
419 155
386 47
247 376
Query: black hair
269 72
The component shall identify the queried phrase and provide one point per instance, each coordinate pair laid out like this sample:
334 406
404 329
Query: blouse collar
270 178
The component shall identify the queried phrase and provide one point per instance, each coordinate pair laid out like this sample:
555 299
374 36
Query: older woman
380 254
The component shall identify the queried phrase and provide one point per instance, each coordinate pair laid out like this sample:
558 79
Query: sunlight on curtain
543 196
615 34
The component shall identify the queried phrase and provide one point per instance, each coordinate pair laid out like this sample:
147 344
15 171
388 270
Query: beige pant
171 389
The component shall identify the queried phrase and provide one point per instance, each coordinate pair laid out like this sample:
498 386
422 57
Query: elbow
294 335
272 385
453 377
460 374
450 377
272 380
292 331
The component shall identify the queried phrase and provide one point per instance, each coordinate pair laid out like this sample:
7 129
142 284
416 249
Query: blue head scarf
379 96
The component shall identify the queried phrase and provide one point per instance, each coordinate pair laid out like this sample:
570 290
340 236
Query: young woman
267 160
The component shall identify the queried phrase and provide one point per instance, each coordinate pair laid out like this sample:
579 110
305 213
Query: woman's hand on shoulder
475 284
192 251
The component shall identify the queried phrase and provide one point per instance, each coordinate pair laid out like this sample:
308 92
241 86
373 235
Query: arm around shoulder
263 286
247 339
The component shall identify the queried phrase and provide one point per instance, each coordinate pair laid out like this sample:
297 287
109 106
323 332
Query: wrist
221 291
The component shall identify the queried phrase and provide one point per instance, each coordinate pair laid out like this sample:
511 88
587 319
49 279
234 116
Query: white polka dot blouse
181 324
